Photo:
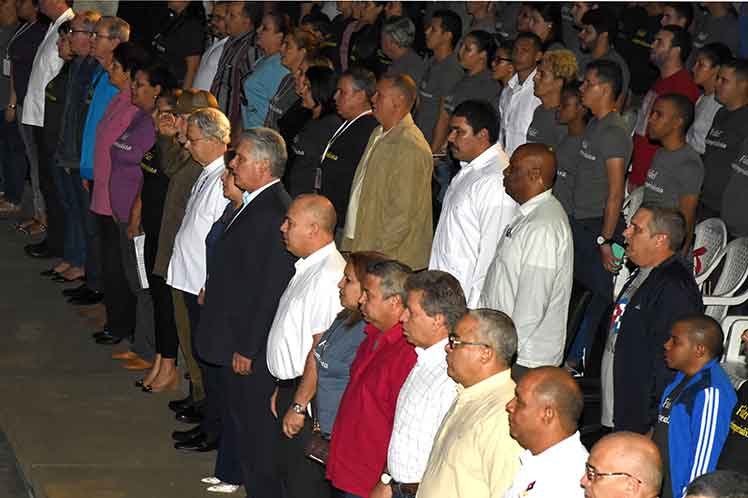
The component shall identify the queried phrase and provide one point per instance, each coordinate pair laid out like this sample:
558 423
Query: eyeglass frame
591 473
95 35
453 342
499 60
73 31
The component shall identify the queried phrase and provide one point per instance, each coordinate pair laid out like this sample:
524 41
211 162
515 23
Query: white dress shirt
307 307
206 71
530 279
187 267
554 472
475 212
516 107
47 64
424 400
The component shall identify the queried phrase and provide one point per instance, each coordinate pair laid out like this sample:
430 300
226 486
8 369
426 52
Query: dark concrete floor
72 416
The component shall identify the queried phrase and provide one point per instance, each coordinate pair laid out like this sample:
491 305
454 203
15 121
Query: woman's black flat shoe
139 383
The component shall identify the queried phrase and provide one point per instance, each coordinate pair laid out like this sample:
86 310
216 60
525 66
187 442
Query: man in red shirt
361 434
670 50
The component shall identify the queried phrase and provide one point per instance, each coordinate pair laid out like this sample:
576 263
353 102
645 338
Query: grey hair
669 222
267 144
401 30
212 123
392 275
118 27
497 330
442 295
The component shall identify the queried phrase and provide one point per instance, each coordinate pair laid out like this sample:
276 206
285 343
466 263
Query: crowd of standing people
357 229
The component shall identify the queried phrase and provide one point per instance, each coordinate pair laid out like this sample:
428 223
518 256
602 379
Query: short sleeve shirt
334 354
706 108
734 454
411 64
182 37
723 145
733 210
567 157
545 128
439 80
480 86
604 139
674 174
22 51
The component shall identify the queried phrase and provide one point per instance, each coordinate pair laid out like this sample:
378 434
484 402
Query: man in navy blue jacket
694 415
658 293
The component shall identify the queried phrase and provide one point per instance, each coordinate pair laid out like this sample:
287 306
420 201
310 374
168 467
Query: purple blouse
127 152
115 121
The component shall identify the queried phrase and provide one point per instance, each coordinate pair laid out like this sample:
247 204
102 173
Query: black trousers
300 476
55 210
165 326
119 301
215 391
248 398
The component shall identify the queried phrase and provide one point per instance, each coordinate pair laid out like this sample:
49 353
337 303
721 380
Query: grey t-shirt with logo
723 143
545 128
439 80
567 157
733 211
411 64
604 139
673 174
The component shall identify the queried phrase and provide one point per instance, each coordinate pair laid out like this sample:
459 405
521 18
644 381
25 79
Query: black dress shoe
179 405
108 339
183 436
198 444
88 299
39 251
101 333
48 273
81 290
190 415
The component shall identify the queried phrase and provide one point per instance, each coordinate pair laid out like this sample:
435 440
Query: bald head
319 210
631 453
532 170
557 388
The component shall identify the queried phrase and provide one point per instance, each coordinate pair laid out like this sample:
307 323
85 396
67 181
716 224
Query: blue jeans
74 202
13 163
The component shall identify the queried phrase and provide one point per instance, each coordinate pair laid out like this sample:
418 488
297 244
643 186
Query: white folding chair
733 276
710 237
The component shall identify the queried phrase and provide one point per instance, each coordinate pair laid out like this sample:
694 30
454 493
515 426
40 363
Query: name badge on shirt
6 67
318 180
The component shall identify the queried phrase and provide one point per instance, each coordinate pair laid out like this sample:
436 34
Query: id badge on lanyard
6 66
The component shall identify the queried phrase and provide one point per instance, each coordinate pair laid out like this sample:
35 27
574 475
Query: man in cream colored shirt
476 208
543 419
530 278
473 455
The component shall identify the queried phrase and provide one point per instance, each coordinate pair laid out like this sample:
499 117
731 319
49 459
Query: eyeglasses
73 31
593 474
499 60
194 140
453 342
95 35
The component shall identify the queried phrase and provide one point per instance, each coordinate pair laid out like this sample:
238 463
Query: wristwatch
386 479
11 106
298 409
601 241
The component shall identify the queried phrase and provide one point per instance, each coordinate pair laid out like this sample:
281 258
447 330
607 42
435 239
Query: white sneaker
223 488
210 480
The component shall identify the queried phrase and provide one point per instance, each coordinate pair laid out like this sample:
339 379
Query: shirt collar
432 354
248 197
484 387
317 256
552 454
393 334
529 206
214 166
487 158
514 82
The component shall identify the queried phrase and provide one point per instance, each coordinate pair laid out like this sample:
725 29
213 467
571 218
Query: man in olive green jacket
390 204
